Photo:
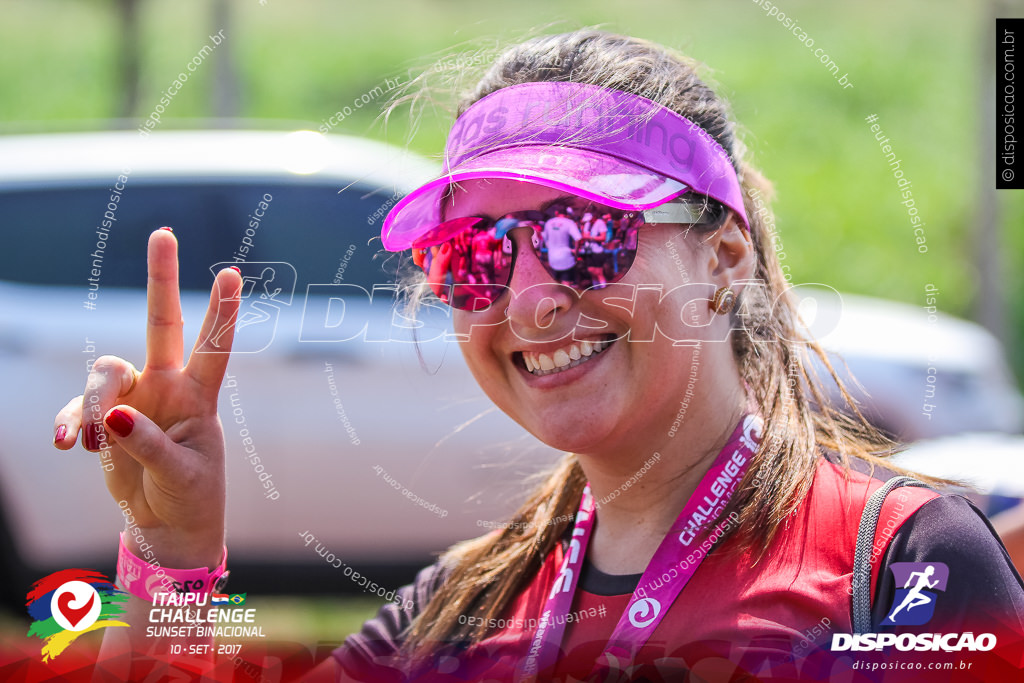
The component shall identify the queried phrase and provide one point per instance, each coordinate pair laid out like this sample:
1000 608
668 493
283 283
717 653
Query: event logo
68 603
643 612
914 603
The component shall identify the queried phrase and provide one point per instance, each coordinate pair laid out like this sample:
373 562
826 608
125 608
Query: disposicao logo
68 603
914 603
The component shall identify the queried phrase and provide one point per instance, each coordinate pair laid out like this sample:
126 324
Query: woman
707 509
595 236
561 236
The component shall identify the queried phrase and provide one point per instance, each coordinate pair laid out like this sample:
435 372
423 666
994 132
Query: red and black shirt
769 619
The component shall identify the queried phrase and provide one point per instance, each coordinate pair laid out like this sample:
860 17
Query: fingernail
120 422
167 228
62 431
236 269
91 437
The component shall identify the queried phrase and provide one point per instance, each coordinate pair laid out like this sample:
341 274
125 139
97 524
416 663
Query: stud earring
723 301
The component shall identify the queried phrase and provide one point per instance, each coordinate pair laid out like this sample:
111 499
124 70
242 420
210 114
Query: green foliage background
917 65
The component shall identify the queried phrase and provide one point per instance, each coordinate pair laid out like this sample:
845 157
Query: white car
384 449
936 382
338 426
923 374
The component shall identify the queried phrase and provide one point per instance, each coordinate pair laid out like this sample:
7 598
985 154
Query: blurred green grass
915 64
308 621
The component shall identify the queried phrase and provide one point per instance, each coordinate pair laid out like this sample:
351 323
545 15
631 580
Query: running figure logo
916 586
267 287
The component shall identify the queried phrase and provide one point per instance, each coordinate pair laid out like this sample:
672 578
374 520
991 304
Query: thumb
140 438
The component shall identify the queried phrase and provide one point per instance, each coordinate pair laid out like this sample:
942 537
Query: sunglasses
468 261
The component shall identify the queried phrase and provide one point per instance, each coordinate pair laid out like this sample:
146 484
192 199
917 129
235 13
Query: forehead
496 197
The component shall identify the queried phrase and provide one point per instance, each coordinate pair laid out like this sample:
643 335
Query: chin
573 442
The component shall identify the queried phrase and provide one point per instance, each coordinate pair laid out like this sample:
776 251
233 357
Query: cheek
671 296
684 270
468 338
474 340
460 322
683 314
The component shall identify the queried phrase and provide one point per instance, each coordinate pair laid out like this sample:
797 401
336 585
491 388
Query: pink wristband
143 579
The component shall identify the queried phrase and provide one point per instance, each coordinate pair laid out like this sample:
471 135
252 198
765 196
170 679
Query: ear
731 252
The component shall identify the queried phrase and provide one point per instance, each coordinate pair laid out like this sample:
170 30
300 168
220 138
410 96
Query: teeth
562 359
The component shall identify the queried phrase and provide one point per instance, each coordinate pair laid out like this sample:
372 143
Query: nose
536 298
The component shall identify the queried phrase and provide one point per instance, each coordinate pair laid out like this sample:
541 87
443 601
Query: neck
640 493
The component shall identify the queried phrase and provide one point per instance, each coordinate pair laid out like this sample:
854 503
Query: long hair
485 574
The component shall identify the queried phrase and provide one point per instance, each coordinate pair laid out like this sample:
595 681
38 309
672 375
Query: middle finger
164 345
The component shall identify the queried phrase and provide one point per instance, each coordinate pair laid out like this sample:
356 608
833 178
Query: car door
336 420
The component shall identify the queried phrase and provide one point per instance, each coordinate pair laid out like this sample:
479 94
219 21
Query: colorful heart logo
68 603
72 614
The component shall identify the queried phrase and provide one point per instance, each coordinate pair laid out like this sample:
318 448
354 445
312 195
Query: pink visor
605 145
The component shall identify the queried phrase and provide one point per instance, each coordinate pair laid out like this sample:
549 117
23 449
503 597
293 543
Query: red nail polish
167 228
120 422
91 437
62 431
236 269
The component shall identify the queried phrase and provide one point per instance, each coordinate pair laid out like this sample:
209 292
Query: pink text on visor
581 138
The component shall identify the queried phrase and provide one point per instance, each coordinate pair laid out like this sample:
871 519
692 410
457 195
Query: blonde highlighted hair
487 573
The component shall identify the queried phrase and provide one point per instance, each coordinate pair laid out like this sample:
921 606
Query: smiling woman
616 291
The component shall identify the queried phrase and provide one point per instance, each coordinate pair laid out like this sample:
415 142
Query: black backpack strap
861 610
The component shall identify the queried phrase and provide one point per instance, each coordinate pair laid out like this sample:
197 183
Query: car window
59 236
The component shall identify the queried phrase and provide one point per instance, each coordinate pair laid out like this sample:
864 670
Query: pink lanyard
671 568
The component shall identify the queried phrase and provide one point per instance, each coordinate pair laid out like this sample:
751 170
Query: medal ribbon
673 565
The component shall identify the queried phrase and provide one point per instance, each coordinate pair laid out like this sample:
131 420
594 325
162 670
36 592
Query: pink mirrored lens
468 261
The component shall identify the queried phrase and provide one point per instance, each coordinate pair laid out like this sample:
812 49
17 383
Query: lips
563 358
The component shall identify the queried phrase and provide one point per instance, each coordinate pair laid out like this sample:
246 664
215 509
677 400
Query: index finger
164 326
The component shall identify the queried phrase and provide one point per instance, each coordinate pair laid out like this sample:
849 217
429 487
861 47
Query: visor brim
598 177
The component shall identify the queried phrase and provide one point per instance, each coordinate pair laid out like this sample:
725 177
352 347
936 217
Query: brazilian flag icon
238 598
